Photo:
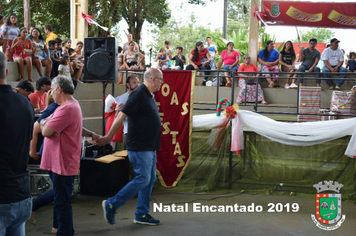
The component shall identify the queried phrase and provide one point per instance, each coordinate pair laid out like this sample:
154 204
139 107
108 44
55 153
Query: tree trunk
27 14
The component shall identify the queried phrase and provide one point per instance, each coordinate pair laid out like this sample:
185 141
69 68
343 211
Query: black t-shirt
144 122
178 61
287 57
16 119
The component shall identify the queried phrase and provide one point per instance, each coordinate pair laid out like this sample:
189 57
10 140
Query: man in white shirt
333 59
132 82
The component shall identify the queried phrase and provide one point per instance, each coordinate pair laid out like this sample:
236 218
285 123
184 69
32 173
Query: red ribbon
263 15
87 17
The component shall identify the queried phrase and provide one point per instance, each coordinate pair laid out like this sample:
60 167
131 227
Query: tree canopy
238 16
43 12
136 12
104 12
321 34
185 36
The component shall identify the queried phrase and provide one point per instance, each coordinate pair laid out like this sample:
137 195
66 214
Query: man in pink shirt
61 153
38 98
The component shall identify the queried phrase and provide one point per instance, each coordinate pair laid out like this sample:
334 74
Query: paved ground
88 217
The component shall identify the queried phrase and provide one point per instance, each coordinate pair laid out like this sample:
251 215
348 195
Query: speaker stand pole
150 57
104 89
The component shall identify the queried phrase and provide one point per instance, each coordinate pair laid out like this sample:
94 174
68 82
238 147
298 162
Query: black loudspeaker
100 56
102 179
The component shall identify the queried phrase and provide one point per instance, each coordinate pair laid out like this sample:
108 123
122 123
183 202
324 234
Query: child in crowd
120 57
71 54
66 69
77 64
51 47
55 61
163 59
169 53
179 58
66 46
351 63
58 48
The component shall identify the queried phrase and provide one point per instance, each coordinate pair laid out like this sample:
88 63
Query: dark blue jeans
341 77
303 68
144 163
201 67
13 217
62 207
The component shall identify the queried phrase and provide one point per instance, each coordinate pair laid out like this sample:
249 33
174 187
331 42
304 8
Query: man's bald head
152 72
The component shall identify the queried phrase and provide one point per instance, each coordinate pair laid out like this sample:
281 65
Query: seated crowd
29 48
271 62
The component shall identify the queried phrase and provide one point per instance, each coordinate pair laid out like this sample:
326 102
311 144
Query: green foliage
321 34
237 19
199 2
184 36
265 37
43 12
136 12
240 40
104 12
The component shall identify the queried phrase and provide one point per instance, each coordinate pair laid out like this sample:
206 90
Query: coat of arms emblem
328 206
274 9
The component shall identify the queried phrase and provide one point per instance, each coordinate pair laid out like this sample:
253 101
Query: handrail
218 74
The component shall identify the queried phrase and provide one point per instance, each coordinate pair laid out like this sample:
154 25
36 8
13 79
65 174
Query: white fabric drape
296 134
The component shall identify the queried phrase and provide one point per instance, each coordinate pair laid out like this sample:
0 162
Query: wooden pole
254 29
27 14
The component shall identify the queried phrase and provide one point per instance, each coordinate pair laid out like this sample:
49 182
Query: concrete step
91 107
14 74
95 90
93 123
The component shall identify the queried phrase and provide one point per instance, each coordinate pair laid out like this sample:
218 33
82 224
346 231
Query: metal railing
218 75
259 78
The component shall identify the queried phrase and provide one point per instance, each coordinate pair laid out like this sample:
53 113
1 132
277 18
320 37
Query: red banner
175 106
311 14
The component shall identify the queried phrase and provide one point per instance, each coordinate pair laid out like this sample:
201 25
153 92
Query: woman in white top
10 31
78 60
131 60
127 44
39 59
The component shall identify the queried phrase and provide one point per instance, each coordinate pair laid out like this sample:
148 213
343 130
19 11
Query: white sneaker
286 86
293 86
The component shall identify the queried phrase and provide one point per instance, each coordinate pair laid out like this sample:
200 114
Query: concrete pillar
253 38
78 25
